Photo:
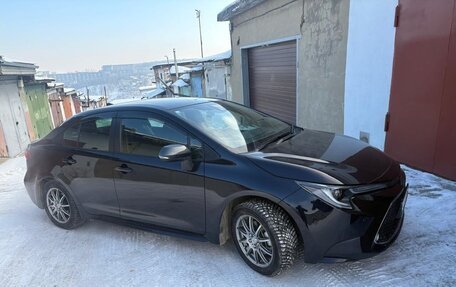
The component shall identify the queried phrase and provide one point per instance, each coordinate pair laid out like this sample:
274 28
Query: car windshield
234 126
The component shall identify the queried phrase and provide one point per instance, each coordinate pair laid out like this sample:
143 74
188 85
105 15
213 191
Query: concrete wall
321 27
369 67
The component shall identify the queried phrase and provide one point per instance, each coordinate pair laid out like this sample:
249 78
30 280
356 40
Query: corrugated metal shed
12 117
16 68
38 106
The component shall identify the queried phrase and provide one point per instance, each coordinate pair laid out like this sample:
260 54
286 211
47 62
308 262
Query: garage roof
16 68
236 8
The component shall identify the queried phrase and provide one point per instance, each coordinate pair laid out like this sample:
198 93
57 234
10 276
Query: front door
152 190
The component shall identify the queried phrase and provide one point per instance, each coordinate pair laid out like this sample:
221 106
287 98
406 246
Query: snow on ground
34 252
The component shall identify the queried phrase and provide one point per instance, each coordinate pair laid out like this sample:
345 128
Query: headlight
333 195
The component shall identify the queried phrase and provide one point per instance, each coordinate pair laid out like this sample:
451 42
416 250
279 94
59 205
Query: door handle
69 160
123 169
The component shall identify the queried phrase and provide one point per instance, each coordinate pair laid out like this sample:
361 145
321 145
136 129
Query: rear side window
90 134
94 134
146 136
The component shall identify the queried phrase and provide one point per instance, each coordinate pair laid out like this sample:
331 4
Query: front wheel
264 236
61 207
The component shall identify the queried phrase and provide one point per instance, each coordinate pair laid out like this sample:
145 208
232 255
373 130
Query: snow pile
180 70
179 83
34 252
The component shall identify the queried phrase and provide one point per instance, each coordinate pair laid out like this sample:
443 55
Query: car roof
157 104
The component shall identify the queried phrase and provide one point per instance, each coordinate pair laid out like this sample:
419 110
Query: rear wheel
264 236
60 206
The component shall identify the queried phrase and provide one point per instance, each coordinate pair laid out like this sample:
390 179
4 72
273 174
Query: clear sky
65 36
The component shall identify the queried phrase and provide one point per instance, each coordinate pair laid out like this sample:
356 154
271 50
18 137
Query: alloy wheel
58 205
254 241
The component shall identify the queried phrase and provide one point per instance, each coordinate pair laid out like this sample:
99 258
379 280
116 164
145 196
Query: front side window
146 136
236 127
94 134
70 136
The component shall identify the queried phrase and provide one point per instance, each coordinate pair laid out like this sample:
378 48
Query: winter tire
264 236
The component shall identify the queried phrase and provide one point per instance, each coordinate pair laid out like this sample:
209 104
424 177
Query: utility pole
88 99
198 15
175 64
106 96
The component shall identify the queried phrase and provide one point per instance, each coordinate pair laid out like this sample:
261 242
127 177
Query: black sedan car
217 170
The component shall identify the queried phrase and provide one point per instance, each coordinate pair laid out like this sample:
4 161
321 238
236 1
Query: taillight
27 154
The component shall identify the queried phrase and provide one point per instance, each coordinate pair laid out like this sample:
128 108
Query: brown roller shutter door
272 80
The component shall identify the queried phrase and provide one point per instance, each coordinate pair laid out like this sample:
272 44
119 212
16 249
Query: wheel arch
41 192
225 218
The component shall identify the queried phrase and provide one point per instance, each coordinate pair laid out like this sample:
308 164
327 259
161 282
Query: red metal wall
67 106
77 104
54 101
421 127
445 155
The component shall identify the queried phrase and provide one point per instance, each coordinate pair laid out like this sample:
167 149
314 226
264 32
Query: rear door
87 164
152 190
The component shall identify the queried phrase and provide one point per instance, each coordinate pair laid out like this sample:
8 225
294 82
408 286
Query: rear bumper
30 184
356 234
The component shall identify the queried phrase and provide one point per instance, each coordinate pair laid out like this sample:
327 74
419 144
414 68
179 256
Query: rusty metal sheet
67 106
56 110
3 146
77 104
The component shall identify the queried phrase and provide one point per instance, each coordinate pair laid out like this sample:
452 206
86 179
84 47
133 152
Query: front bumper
370 228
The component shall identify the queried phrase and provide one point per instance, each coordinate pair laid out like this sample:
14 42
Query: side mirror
174 152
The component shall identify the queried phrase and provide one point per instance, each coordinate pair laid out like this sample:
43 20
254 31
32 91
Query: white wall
12 118
216 80
369 66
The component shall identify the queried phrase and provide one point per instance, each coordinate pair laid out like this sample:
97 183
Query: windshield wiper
279 138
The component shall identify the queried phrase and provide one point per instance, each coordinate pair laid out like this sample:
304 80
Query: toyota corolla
219 171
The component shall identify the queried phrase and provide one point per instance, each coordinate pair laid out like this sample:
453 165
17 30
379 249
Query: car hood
322 157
